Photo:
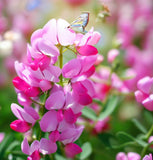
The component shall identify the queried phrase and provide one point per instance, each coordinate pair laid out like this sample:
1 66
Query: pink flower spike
87 50
55 101
47 146
121 156
72 149
20 126
112 54
54 136
69 116
49 121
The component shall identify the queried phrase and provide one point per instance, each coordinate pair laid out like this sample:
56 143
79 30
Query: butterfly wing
80 23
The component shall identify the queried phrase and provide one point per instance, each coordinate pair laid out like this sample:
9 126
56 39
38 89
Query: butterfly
80 23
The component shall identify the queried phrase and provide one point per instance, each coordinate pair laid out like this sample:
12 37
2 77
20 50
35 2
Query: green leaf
109 108
125 137
59 157
89 113
4 144
86 150
13 145
139 126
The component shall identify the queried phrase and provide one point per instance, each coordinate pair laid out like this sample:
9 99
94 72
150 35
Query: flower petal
72 149
47 146
49 121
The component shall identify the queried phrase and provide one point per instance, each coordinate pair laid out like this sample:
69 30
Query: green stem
61 65
145 148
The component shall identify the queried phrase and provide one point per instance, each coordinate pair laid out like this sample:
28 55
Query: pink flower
150 140
129 156
26 118
76 2
101 125
72 149
112 54
1 136
147 157
145 94
44 146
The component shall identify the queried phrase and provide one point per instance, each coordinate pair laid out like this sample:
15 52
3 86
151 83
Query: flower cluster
64 87
145 93
132 156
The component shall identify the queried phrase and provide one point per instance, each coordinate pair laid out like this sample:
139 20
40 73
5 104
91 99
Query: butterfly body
80 23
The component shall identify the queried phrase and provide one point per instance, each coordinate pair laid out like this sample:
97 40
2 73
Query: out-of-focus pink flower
145 93
1 137
76 2
129 156
147 157
72 149
112 54
101 125
150 140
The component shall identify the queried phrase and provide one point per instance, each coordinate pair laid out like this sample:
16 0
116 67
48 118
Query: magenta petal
69 116
87 50
65 36
60 115
72 149
49 121
20 126
72 68
47 146
85 99
25 146
55 101
34 156
54 136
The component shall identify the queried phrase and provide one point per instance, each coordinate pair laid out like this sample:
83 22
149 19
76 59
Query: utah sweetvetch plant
54 91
